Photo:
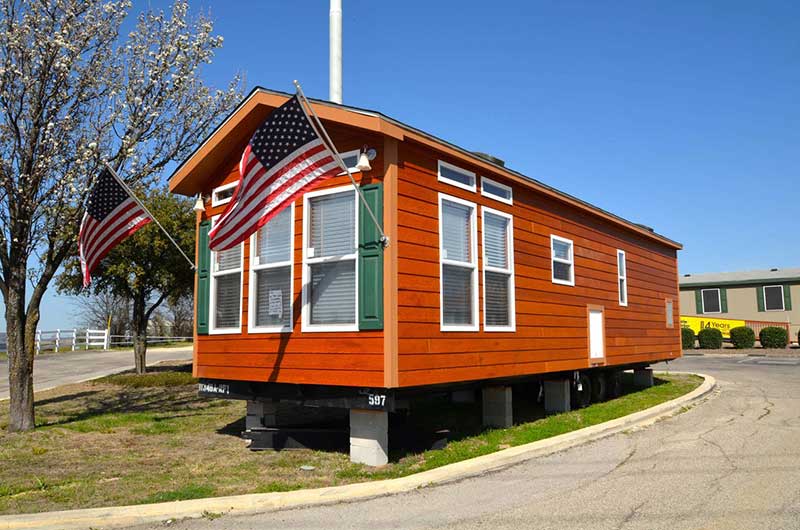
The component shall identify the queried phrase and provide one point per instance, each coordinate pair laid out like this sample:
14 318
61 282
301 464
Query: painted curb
120 516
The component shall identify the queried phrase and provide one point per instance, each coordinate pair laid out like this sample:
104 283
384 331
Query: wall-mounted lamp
199 205
366 155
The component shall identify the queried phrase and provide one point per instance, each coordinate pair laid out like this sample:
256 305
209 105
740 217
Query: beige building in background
759 297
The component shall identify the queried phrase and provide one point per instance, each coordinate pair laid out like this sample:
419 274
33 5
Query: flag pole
329 142
153 217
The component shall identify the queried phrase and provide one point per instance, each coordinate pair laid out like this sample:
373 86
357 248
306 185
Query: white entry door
597 348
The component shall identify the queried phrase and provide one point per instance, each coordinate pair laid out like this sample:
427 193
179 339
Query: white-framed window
456 176
498 271
226 289
711 301
622 278
562 260
669 310
330 260
773 298
497 191
223 194
458 264
271 275
350 159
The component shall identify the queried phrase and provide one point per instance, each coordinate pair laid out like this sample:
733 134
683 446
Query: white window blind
271 274
330 261
458 264
562 260
226 290
498 274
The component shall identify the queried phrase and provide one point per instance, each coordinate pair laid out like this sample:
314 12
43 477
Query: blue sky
681 115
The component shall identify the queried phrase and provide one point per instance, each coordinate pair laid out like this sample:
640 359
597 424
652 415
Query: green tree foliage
145 268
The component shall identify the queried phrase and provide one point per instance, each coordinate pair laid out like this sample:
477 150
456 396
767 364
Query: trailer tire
583 397
599 388
613 384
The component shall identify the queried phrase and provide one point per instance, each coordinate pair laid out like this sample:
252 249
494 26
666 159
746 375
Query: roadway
732 462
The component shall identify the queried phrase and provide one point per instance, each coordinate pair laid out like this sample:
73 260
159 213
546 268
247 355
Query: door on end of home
596 335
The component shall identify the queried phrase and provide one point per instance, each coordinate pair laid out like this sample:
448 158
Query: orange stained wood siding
551 320
328 358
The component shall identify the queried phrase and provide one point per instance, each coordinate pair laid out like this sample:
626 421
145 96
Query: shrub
743 337
773 337
710 339
687 338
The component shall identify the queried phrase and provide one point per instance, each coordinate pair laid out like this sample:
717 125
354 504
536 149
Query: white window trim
783 303
353 169
475 326
254 268
306 325
622 276
571 261
512 298
212 300
719 298
224 187
485 193
457 169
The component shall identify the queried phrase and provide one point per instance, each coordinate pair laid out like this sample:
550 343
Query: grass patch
129 439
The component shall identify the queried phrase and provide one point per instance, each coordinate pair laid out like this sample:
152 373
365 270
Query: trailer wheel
581 398
599 388
614 384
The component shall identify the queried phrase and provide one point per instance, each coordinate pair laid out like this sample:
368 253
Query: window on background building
622 278
330 258
498 271
458 263
773 298
456 176
226 290
711 301
495 190
563 260
271 274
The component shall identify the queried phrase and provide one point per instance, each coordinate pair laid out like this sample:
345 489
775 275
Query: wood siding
335 358
551 320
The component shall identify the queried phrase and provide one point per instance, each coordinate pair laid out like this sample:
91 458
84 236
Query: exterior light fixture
199 205
363 160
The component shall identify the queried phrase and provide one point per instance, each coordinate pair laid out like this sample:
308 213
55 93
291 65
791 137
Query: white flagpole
322 133
153 217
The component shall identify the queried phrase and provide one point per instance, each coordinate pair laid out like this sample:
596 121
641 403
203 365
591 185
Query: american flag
111 216
284 159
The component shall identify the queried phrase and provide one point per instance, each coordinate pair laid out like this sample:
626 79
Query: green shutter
370 260
787 297
723 300
698 302
203 278
760 298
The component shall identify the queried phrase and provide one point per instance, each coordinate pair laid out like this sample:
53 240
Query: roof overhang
208 160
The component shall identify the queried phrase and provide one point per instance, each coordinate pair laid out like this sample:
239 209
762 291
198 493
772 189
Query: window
495 190
670 312
271 274
563 260
350 159
226 289
622 278
773 298
330 254
711 301
456 176
458 263
223 194
498 271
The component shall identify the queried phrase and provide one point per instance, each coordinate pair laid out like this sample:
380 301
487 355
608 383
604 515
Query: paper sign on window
276 303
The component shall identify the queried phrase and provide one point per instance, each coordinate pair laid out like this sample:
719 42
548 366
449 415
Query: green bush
687 339
743 337
773 337
710 339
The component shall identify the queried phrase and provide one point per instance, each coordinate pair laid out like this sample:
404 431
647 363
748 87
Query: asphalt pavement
731 462
56 369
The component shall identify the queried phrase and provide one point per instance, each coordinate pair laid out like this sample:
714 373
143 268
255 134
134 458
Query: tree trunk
21 344
140 333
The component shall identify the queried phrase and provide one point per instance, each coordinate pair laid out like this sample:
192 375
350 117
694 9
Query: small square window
773 298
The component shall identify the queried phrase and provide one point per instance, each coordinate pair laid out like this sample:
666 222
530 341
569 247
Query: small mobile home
489 278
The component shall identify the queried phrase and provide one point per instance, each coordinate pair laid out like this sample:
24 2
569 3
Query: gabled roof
210 157
709 279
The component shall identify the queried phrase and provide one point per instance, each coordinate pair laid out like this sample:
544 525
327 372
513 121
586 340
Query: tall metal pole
335 87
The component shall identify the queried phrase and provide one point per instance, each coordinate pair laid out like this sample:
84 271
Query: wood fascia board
390 264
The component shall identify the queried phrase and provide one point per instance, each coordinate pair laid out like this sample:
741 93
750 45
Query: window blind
333 291
274 239
229 259
333 224
497 299
227 300
456 295
495 237
561 250
456 242
273 297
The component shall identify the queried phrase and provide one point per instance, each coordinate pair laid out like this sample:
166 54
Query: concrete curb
120 516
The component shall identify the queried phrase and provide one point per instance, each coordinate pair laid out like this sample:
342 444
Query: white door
596 346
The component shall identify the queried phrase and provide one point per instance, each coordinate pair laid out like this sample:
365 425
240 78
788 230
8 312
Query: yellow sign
698 323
